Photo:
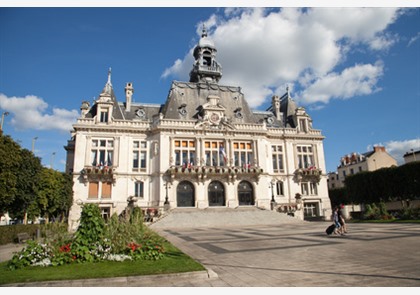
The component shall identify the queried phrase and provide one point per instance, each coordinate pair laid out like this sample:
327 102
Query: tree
53 193
27 185
10 158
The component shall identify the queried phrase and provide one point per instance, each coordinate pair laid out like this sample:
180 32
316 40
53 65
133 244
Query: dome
206 42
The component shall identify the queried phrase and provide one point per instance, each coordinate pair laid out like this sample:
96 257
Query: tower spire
204 31
109 76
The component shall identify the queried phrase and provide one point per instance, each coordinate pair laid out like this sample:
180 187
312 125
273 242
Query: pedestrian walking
337 230
341 220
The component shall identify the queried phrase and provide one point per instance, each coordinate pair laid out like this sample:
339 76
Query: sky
355 70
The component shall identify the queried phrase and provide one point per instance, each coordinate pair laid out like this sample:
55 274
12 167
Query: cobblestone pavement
302 255
287 255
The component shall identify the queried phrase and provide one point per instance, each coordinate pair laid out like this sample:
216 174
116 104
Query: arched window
245 194
185 194
216 193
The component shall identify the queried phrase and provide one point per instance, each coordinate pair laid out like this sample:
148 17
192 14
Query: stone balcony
226 173
311 174
98 173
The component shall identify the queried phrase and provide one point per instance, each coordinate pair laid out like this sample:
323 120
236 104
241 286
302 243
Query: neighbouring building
354 163
412 156
203 147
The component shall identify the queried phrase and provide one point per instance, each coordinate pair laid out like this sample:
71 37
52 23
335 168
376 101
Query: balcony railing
98 173
311 174
204 172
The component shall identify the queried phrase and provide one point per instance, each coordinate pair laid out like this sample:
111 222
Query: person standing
341 220
336 220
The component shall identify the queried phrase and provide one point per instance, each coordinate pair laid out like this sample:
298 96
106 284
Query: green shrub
120 239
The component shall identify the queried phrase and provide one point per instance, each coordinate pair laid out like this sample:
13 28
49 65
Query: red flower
65 248
133 246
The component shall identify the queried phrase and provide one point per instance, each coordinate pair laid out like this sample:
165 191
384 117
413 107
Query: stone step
221 217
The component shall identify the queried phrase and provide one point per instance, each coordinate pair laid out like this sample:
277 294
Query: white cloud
397 149
261 50
413 39
357 80
30 112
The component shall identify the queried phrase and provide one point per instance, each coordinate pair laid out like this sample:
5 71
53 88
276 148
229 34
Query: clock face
214 118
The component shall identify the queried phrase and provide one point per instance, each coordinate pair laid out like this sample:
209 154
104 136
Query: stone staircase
221 217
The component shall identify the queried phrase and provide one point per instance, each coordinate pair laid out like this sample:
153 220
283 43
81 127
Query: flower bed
118 240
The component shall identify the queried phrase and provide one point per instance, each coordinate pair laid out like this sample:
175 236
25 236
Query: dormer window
303 127
183 110
104 117
141 113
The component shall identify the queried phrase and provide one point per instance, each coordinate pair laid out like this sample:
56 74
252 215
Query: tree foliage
383 185
10 160
28 187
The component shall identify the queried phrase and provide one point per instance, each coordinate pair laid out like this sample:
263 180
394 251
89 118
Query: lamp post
2 119
52 160
166 203
272 183
33 144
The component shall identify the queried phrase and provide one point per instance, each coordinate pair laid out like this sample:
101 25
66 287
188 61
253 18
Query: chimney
379 149
84 109
129 90
275 102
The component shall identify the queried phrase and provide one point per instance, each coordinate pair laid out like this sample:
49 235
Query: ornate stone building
203 147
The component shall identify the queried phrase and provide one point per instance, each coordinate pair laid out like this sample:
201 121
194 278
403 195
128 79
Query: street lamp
272 183
2 119
166 203
33 144
52 160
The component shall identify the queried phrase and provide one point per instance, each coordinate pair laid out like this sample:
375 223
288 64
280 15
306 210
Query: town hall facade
203 147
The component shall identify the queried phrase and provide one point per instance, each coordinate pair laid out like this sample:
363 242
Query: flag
222 151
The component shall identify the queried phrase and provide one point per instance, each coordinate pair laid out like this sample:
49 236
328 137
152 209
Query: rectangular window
302 125
106 190
305 189
277 158
184 152
102 152
104 116
135 159
243 154
305 157
138 189
310 188
139 155
280 188
106 212
310 210
93 190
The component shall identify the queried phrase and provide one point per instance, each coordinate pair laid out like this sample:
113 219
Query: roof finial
288 90
204 34
109 76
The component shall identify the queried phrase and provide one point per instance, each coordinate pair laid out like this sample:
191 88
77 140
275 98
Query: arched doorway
185 194
245 194
216 194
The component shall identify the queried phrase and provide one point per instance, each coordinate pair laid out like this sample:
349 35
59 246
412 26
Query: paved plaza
287 255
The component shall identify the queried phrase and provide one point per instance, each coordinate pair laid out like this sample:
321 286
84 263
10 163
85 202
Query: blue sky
356 71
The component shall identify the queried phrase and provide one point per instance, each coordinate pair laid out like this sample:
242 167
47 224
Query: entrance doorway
185 194
216 194
245 194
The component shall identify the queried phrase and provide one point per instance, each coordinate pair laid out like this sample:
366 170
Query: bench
23 237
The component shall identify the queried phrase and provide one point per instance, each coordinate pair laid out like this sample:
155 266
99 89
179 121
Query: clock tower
205 68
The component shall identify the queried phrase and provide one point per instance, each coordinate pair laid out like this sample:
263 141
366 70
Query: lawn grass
174 261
